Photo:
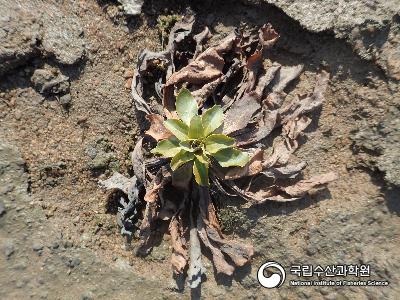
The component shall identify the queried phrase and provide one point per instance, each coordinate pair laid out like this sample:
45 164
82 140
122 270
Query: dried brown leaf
180 257
294 127
253 65
137 94
274 100
147 61
302 106
255 133
219 261
147 229
138 163
200 39
284 76
289 171
268 36
227 44
265 79
288 193
160 180
280 154
241 113
157 129
301 188
205 68
240 253
179 32
253 167
201 94
207 209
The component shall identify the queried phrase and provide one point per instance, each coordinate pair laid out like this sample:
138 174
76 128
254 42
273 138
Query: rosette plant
250 104
197 140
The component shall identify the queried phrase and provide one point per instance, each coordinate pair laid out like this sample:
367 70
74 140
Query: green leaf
200 170
196 128
212 119
230 157
167 148
186 106
181 158
185 145
177 128
216 142
190 145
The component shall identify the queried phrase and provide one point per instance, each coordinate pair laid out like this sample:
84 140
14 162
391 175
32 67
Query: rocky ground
66 121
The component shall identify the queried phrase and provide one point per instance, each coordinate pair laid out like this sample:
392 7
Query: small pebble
55 245
17 115
8 248
128 83
2 208
128 74
37 246
68 244
75 262
65 100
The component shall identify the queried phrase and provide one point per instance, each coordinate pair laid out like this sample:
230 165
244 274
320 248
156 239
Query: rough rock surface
378 146
63 37
132 7
19 36
31 28
371 27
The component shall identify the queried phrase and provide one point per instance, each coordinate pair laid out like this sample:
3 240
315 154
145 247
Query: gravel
50 82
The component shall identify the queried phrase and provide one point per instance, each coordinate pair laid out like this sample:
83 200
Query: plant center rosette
216 110
196 141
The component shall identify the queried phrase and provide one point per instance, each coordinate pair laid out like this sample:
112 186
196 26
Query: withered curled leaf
303 186
157 129
147 229
220 263
284 76
288 171
205 68
253 167
158 183
245 108
180 256
201 38
138 162
302 106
